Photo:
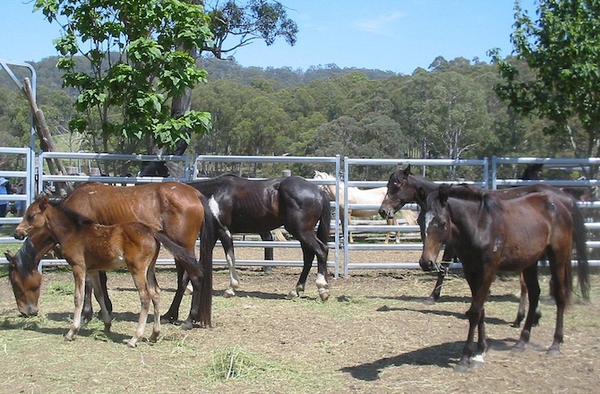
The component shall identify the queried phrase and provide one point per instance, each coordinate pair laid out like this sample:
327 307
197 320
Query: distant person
5 188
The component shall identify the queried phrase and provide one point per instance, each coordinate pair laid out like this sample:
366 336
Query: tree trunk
46 141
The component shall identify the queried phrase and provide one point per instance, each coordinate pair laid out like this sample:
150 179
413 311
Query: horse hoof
553 352
292 294
186 326
69 336
168 318
154 337
518 348
460 368
324 295
429 301
229 293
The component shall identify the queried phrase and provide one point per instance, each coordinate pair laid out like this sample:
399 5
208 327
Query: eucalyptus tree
561 48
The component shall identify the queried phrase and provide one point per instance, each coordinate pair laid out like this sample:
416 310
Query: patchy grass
374 335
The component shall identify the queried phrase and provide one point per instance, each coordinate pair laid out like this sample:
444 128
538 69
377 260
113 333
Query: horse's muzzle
426 264
386 213
18 235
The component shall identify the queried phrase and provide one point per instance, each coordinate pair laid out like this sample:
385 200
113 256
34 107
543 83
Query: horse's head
435 222
533 172
399 192
25 283
322 175
33 218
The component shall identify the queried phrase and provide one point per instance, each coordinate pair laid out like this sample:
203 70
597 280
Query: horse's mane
477 194
24 259
77 218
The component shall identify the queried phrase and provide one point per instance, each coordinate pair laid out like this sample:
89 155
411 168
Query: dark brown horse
240 205
89 247
491 234
402 189
172 208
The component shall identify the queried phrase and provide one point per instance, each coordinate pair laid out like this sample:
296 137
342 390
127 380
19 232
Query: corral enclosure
374 335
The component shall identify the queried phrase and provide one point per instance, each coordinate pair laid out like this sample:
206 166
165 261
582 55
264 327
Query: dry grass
374 335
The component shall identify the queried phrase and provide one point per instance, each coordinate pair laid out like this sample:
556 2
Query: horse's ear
43 202
10 257
443 194
407 171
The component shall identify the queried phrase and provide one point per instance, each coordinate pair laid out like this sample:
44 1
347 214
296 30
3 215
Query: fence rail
34 176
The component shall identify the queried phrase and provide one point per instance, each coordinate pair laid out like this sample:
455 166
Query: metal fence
479 172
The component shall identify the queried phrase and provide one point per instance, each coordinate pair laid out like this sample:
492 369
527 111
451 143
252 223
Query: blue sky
390 35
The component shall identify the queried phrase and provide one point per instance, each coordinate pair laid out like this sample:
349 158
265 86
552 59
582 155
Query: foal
89 247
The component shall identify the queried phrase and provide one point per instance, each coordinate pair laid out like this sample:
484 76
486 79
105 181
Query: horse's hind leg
139 278
154 291
100 297
523 306
530 276
560 268
301 284
79 276
227 243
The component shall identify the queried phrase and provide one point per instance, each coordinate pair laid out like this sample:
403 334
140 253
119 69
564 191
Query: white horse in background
373 196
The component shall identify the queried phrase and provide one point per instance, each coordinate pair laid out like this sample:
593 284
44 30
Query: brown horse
402 189
172 208
89 247
25 278
491 234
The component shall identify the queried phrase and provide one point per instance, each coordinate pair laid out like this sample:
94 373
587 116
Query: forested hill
446 110
50 76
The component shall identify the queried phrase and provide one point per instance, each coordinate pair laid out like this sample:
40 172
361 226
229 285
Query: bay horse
241 205
402 188
89 247
361 196
172 208
491 234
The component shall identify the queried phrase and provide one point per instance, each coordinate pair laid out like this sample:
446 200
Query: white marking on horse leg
478 358
323 287
233 278
189 289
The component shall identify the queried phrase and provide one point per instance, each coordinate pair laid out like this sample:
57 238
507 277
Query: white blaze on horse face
428 219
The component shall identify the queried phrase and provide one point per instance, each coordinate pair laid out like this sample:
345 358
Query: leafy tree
562 49
137 52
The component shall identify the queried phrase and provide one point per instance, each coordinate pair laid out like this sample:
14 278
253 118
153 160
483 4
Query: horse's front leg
88 309
437 290
79 277
480 283
267 236
100 297
182 280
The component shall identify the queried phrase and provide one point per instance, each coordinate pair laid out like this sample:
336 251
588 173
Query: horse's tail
324 228
208 239
178 251
580 239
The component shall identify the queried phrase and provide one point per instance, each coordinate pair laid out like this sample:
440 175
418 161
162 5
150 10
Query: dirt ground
374 335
